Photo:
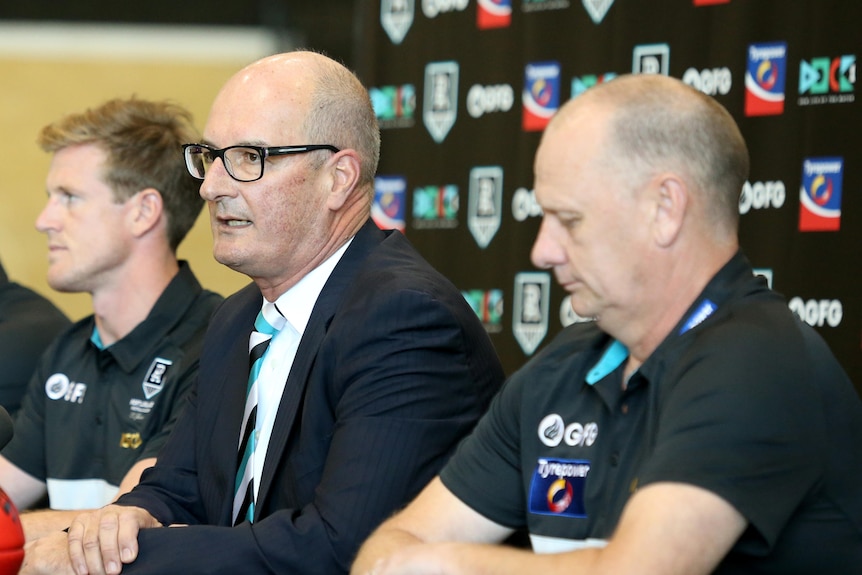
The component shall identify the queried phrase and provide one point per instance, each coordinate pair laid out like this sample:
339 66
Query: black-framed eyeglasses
242 163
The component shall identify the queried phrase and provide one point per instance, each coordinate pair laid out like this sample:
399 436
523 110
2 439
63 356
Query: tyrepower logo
820 195
390 197
541 96
765 76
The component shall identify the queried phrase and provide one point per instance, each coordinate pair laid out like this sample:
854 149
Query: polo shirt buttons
615 458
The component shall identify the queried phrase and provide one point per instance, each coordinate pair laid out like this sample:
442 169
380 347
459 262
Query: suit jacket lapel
342 276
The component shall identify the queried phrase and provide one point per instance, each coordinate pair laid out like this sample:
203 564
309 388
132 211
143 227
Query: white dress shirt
296 305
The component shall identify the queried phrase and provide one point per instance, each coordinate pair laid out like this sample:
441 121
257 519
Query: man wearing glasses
375 368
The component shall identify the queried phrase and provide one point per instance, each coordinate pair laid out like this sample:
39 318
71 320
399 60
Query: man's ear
145 210
671 194
345 178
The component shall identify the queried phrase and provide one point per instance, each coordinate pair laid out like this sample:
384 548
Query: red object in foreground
11 537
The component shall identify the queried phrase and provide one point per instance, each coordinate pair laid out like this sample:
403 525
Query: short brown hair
143 143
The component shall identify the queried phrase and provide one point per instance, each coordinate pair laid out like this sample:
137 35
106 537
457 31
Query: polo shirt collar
169 310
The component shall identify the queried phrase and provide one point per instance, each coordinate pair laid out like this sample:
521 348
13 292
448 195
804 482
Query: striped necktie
269 322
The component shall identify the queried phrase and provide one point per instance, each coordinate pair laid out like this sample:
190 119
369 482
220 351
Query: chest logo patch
155 378
59 386
131 440
557 487
553 431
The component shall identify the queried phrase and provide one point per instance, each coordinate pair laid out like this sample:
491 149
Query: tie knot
269 320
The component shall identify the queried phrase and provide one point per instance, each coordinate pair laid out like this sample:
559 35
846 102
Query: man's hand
47 556
101 541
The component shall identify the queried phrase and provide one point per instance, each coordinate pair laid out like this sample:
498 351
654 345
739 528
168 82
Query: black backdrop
462 89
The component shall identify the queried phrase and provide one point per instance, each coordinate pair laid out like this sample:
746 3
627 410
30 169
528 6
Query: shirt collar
613 357
297 303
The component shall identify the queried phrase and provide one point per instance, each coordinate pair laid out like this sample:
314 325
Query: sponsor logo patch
59 386
131 440
557 487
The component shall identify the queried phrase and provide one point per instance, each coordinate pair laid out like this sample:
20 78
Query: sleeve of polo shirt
26 449
485 471
737 419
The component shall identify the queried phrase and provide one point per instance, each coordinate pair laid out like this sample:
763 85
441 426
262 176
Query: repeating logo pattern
487 77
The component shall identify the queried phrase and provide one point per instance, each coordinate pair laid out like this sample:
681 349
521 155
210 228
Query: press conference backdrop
464 88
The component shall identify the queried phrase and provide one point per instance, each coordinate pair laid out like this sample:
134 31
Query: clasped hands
98 543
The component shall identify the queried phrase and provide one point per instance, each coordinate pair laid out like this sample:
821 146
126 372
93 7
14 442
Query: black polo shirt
90 414
742 399
28 323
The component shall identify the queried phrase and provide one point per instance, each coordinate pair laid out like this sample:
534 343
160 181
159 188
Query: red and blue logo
541 96
557 487
493 14
765 77
820 195
390 199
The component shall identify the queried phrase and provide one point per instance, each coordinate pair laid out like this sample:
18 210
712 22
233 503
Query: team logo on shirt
155 378
557 487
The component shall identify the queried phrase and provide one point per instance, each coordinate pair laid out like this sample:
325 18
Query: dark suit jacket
393 369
